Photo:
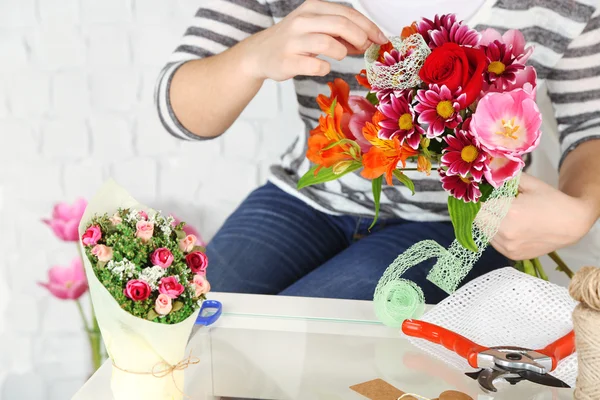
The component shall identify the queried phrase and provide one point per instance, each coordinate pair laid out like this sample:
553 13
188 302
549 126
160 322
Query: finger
319 43
373 32
307 66
338 27
353 50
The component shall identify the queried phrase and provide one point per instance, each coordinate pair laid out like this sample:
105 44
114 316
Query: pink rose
162 257
170 286
137 290
200 285
115 219
189 230
145 230
67 283
197 262
104 253
163 304
65 220
187 243
143 215
91 236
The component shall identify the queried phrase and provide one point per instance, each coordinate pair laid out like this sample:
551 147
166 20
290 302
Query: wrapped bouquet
147 279
443 96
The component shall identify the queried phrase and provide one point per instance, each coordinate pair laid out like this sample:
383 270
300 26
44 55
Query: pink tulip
363 112
507 124
526 79
502 169
67 283
190 230
65 220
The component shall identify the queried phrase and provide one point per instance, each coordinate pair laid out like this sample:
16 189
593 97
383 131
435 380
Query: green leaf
486 191
376 184
180 234
462 215
201 249
372 98
151 315
405 180
324 175
177 305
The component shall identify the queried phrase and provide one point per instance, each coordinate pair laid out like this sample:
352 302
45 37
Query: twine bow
162 369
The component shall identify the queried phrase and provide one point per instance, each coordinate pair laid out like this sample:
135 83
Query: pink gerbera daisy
465 189
400 121
446 28
502 68
463 156
439 108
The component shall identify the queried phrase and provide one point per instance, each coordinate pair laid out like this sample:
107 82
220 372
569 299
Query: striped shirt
566 36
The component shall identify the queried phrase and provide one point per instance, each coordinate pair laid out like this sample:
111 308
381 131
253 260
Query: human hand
542 219
291 47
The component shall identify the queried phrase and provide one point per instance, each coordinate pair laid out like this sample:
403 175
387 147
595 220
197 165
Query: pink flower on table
162 257
200 285
115 219
67 283
400 122
163 304
444 29
465 189
137 290
65 220
170 286
502 67
363 112
439 108
187 243
102 252
198 262
190 230
514 41
463 156
502 169
507 124
144 230
91 236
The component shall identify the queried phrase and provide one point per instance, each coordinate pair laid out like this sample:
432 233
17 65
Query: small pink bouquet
147 280
443 96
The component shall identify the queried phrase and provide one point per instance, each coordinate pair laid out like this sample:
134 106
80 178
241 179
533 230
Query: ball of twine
398 300
585 288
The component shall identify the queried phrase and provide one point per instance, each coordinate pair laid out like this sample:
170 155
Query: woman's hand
291 47
542 219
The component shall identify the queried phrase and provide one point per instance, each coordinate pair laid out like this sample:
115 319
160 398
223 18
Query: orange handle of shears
450 340
561 349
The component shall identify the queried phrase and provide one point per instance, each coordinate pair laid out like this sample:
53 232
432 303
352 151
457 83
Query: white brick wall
76 87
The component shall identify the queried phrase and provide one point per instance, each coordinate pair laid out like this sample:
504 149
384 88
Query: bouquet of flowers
443 96
147 280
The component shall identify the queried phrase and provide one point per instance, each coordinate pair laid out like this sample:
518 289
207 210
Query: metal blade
543 379
487 377
473 375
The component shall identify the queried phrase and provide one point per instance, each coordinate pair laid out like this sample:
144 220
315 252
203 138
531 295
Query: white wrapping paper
133 344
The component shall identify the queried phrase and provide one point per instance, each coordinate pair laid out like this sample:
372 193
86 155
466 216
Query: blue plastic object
209 312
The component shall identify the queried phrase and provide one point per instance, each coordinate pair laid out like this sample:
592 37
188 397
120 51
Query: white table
266 347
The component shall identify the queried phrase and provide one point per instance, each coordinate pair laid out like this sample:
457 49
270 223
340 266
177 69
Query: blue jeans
275 243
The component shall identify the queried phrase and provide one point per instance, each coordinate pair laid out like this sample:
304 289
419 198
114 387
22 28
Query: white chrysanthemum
124 268
152 275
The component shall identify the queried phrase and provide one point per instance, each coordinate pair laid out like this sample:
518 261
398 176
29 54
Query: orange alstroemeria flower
328 132
409 30
384 48
340 91
384 156
363 80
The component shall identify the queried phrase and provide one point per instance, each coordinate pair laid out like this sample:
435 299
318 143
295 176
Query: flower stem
539 269
82 314
561 265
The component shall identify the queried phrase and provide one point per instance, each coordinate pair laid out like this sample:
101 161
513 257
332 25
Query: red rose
197 262
137 290
455 66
